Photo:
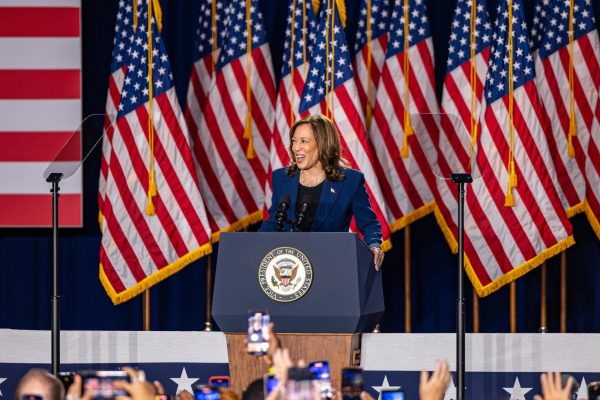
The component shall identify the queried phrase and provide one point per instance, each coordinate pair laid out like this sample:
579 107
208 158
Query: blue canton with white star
234 44
418 26
123 35
459 50
380 16
555 32
496 85
298 20
135 88
204 40
537 24
317 83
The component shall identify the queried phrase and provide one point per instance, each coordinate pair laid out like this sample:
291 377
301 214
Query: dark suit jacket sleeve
365 217
270 225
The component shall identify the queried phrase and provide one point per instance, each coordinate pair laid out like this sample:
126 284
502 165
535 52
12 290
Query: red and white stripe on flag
462 99
122 46
40 108
297 49
142 245
210 32
571 100
592 173
558 90
331 53
232 180
370 52
514 219
407 182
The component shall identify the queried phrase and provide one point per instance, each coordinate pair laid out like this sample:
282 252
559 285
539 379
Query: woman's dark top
314 194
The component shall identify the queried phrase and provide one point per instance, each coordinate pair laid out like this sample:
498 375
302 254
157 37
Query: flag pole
208 299
563 292
475 312
407 302
543 298
146 309
513 307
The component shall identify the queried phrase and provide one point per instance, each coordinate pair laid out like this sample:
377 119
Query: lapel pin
332 190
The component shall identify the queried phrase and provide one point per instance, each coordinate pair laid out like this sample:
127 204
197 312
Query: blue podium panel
313 282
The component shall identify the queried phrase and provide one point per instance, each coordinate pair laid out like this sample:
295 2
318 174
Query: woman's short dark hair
328 145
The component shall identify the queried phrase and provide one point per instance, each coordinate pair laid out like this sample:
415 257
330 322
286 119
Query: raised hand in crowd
274 344
185 395
552 387
281 363
433 387
138 388
74 392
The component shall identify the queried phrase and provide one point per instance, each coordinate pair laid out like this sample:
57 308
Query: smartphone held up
101 383
258 332
352 383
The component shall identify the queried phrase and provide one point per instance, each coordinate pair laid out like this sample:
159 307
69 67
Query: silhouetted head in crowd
39 382
254 391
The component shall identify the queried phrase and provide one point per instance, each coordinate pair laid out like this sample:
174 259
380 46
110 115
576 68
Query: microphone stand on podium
456 167
63 167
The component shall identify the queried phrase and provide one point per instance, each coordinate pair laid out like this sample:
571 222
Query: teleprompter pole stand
55 178
460 180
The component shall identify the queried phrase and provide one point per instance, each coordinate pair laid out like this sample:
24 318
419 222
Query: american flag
232 176
468 55
568 75
330 89
122 43
592 173
515 219
210 31
404 174
40 108
138 248
369 48
299 38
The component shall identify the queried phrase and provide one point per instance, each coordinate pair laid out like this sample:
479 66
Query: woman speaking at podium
320 190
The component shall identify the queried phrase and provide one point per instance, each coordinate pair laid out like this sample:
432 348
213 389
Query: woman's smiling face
304 146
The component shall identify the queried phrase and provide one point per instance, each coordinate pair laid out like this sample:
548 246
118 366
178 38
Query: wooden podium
341 350
344 298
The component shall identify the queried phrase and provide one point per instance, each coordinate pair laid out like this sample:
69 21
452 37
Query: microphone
281 216
302 212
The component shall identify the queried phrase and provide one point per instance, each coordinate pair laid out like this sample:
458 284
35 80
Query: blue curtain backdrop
178 302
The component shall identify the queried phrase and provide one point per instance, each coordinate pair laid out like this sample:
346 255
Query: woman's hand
378 257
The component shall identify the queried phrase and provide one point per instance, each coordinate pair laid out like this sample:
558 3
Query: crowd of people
39 384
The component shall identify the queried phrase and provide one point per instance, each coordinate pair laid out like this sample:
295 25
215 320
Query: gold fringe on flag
327 69
473 78
293 34
509 200
304 30
316 4
332 82
213 31
157 14
572 125
342 11
369 107
250 154
152 191
405 70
